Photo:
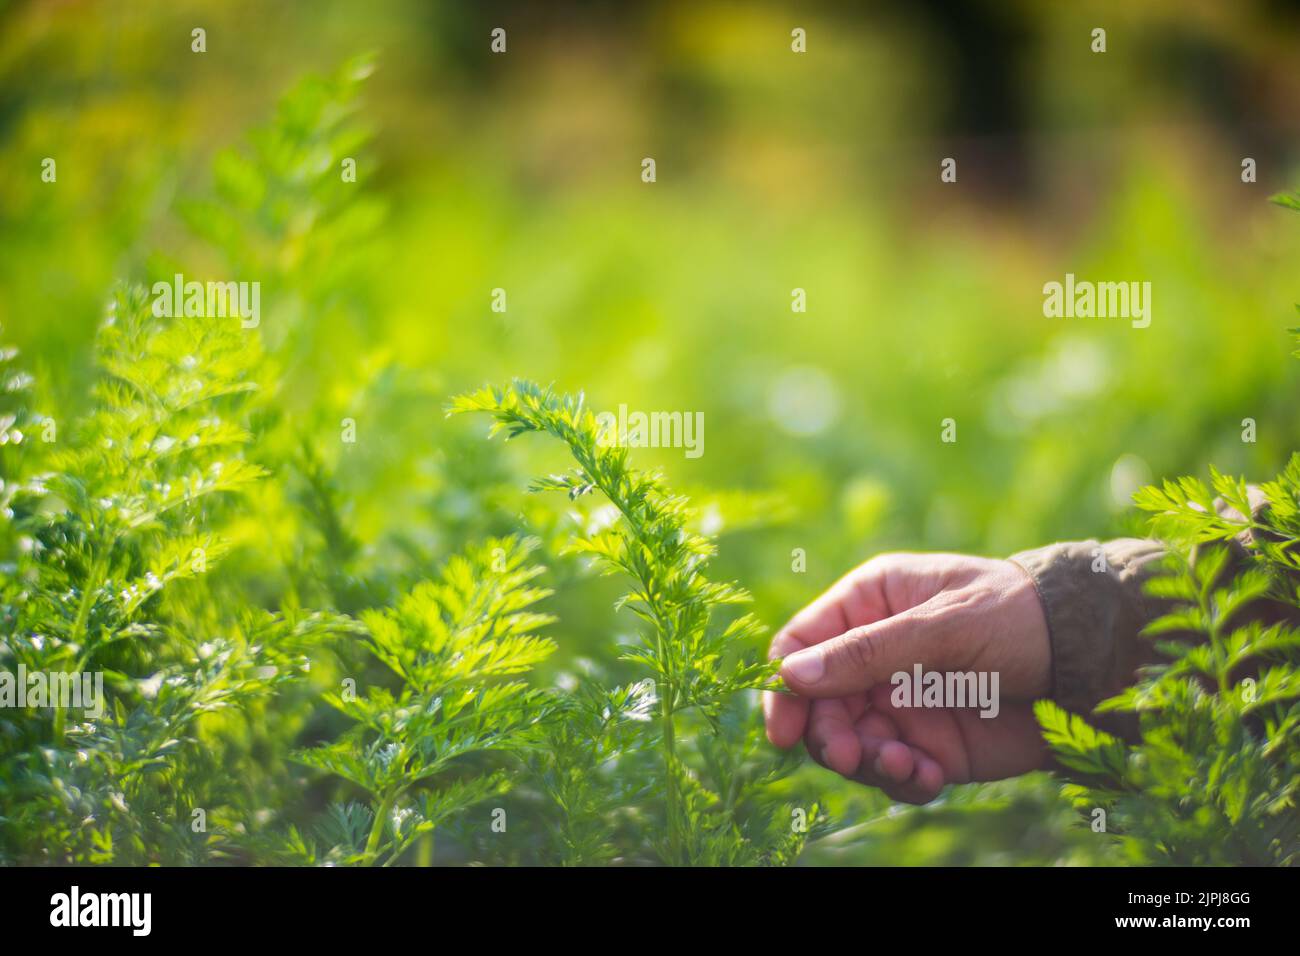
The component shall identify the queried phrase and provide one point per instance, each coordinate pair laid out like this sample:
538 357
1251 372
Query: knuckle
874 562
879 564
856 651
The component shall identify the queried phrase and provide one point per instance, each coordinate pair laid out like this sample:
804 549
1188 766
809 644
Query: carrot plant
175 537
697 663
116 529
453 644
1215 777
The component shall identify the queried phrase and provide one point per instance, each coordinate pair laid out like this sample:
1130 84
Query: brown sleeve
1095 607
1093 599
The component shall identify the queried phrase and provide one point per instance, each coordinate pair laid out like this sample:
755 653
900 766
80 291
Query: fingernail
879 767
805 667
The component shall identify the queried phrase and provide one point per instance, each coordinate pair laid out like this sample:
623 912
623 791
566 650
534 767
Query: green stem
1217 651
78 633
662 618
664 630
424 851
670 765
377 830
60 723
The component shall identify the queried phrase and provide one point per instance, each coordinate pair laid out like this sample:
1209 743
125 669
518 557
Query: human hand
946 612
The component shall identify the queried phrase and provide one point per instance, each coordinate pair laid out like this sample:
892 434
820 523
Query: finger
855 598
883 761
967 746
939 731
785 715
886 761
894 763
786 718
866 750
926 782
831 739
867 655
905 773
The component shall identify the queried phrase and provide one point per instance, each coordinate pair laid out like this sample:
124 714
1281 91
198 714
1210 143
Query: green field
499 227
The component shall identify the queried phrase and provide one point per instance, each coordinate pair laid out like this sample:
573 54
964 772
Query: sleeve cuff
1092 597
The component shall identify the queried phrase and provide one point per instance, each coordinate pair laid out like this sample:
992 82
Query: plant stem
424 851
59 726
663 635
670 766
377 830
78 633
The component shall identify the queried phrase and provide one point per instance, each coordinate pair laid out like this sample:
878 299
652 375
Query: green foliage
1215 777
280 209
1291 200
453 643
116 541
697 664
155 541
197 498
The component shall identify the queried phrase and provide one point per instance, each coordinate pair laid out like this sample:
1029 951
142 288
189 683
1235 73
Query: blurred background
775 171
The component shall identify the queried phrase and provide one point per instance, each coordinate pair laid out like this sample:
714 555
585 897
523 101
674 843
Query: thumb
868 655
